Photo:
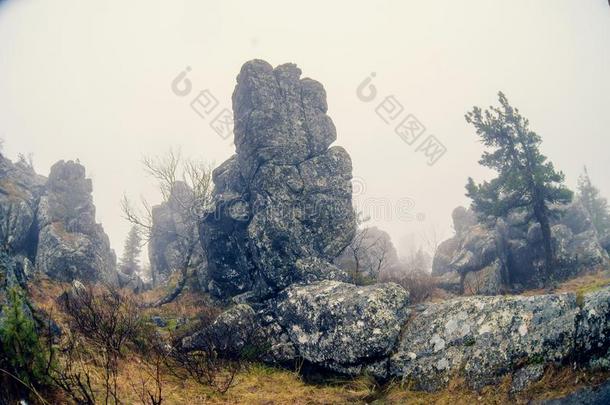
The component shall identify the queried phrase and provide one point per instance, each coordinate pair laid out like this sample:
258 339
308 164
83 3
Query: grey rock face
484 338
283 202
20 190
487 281
71 244
517 253
526 376
593 337
339 325
334 325
231 333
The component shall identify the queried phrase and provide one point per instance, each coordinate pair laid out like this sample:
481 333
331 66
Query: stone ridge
50 223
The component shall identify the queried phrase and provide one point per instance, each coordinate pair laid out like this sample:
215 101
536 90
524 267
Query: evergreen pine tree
130 261
526 183
22 349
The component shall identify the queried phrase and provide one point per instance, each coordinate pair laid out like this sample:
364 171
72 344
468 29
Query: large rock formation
507 255
283 207
283 213
354 330
49 224
20 190
71 244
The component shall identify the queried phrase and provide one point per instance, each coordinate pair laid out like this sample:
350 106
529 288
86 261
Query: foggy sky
91 80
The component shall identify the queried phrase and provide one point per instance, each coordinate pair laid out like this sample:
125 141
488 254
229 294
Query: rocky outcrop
173 233
340 326
330 324
485 338
282 213
353 330
71 245
508 255
48 225
283 207
20 191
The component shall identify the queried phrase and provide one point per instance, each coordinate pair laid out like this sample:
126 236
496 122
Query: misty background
92 80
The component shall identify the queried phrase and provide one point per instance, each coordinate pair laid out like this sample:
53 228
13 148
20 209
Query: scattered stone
158 321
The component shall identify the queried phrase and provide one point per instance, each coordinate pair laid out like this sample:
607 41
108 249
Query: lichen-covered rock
487 281
232 332
283 206
526 376
593 333
517 250
484 338
71 245
341 326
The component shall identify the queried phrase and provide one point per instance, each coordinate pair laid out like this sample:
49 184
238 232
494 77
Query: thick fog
93 80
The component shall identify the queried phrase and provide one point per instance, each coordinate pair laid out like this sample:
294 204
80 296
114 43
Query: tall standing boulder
71 244
283 203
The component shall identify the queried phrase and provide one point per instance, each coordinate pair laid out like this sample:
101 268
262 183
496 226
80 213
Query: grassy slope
260 384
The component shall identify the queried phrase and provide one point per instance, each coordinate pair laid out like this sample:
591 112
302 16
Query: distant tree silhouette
130 261
596 205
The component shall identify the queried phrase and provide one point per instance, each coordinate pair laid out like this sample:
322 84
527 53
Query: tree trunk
547 241
176 292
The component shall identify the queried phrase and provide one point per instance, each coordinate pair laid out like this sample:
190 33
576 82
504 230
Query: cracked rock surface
283 203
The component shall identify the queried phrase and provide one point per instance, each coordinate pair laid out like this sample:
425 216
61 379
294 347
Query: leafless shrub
101 320
104 315
208 368
222 350
170 171
73 374
419 284
149 384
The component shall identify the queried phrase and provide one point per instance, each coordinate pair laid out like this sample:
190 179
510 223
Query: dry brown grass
580 285
557 382
259 384
256 385
43 293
